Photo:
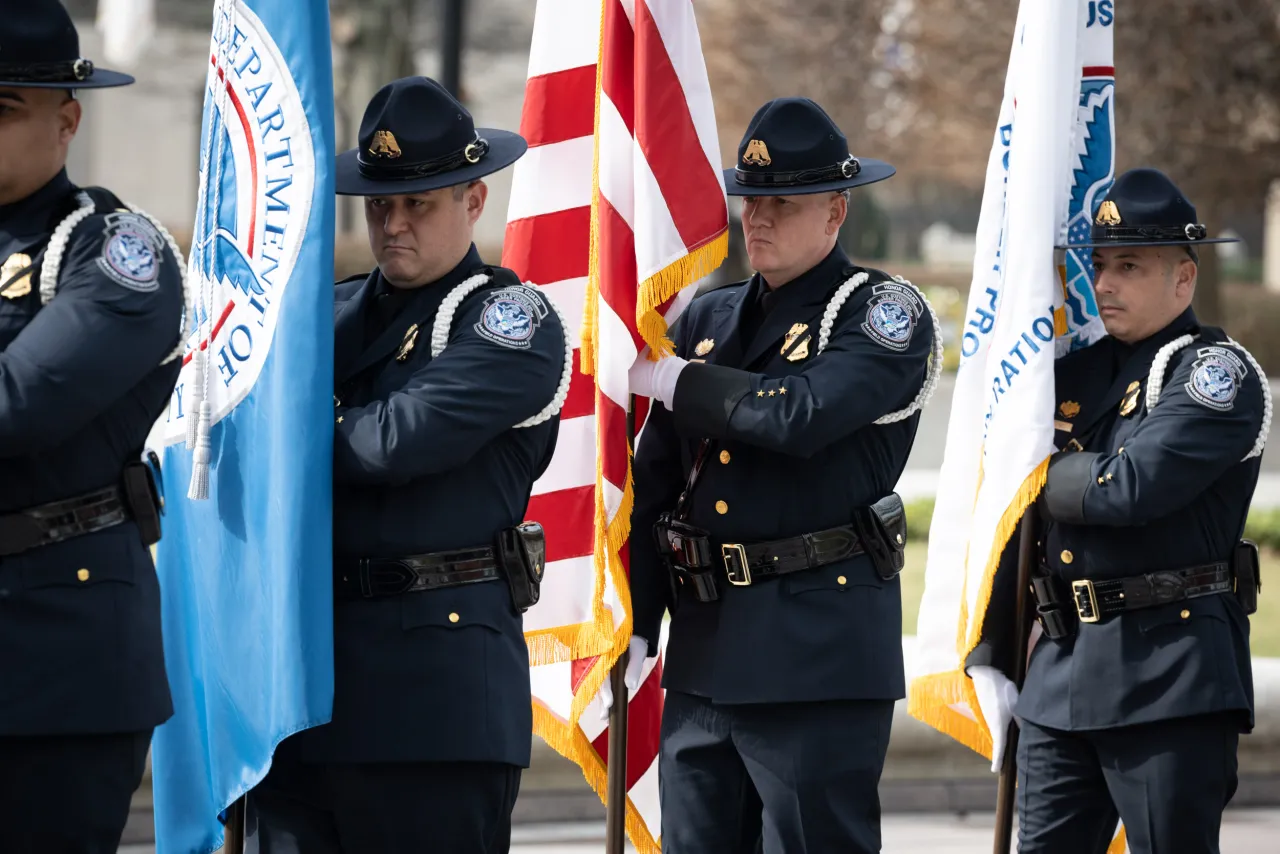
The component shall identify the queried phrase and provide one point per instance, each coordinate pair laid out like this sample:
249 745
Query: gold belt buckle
1086 600
739 576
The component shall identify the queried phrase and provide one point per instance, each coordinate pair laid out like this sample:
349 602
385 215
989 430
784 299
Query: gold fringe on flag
932 699
580 751
700 261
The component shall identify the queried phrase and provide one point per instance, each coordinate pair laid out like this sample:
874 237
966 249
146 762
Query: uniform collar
794 303
820 276
32 216
417 306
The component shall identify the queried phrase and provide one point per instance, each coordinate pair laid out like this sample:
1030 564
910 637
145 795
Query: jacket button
724 457
453 618
722 508
83 575
841 580
1185 613
1067 556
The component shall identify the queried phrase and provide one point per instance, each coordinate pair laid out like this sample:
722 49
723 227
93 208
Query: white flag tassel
199 489
195 394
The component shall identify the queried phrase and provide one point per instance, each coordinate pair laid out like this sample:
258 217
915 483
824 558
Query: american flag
617 208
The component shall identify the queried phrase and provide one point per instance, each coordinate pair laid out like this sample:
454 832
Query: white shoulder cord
444 320
52 264
935 369
1155 384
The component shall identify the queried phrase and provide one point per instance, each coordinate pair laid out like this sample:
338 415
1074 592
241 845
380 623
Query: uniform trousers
385 807
799 778
1168 781
68 794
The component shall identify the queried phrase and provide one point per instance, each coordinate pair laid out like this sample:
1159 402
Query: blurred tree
1197 96
1198 87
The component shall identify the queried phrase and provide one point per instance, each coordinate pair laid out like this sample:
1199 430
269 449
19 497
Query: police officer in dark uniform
765 516
1140 684
91 312
450 374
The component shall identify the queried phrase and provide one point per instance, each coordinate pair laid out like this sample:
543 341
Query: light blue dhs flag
245 559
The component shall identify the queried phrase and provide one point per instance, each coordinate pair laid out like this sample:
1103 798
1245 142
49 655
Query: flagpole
615 825
1008 783
235 828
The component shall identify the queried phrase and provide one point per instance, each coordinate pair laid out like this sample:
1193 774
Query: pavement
1244 831
920 479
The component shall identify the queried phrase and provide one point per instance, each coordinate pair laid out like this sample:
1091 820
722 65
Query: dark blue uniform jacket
1151 489
426 459
795 451
81 384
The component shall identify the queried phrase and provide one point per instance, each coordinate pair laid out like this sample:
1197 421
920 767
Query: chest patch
892 315
131 252
1215 378
511 317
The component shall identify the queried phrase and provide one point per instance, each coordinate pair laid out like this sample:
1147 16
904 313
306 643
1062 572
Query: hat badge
757 153
1108 214
384 145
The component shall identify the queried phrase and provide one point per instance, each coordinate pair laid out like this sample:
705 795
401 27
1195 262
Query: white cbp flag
1051 163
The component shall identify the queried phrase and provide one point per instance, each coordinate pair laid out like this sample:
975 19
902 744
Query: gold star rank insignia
704 346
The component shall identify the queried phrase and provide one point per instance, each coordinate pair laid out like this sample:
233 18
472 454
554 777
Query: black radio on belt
1248 577
142 497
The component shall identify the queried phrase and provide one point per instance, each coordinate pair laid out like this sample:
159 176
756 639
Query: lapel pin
1130 401
406 346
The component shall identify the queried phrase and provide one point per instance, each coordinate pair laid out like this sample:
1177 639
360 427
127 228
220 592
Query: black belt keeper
58 521
375 578
1061 606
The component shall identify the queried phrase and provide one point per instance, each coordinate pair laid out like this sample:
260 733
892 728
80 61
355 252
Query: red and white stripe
618 112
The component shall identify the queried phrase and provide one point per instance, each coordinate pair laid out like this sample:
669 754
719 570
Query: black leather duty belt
370 578
61 520
1092 601
747 563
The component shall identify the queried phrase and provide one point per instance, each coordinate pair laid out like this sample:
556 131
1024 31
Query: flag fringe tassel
932 698
670 280
572 744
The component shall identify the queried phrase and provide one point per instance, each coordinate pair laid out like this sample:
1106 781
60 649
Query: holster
522 553
142 496
686 550
882 529
1246 569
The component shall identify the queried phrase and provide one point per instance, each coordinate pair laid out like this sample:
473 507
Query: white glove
637 650
996 698
656 380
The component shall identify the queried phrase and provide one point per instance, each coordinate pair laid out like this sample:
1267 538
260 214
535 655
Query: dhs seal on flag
257 177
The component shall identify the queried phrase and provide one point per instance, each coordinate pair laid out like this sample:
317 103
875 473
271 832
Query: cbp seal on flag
257 179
